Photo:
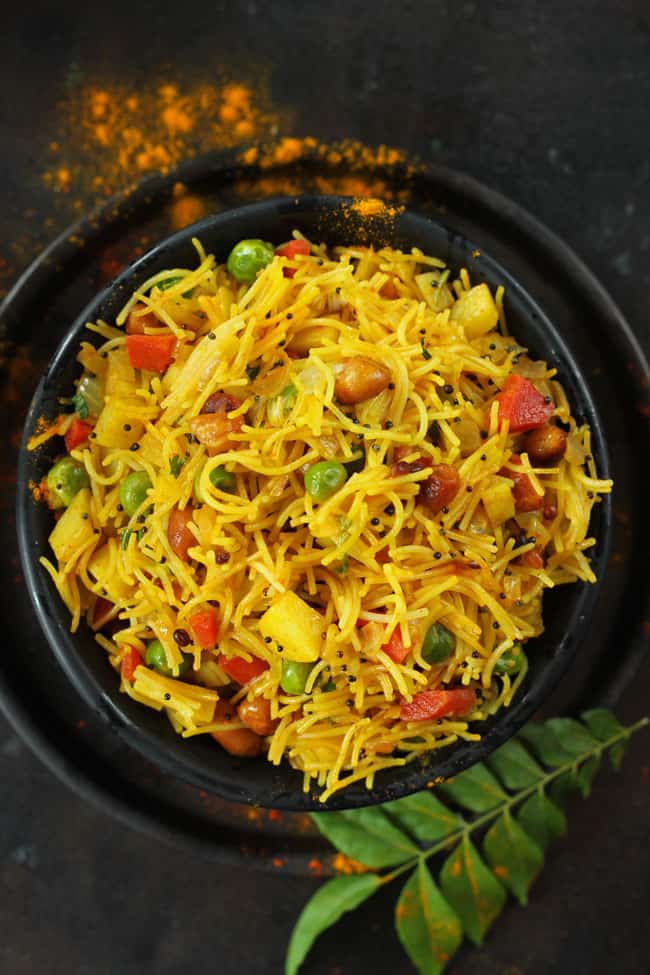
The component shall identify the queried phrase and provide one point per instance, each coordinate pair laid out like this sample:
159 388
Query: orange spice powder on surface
346 865
113 134
106 136
372 207
348 168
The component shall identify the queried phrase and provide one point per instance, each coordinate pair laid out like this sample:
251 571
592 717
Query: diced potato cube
120 374
72 530
110 432
205 519
469 435
119 405
91 360
102 566
476 312
436 298
151 447
498 501
295 626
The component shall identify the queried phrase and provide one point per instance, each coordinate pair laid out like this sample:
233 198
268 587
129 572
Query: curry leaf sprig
515 804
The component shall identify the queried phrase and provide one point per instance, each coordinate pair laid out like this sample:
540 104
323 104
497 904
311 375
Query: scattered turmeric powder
186 207
120 134
109 135
343 864
372 207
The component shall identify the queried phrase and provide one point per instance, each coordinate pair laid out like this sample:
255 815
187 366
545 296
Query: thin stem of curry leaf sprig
472 889
509 801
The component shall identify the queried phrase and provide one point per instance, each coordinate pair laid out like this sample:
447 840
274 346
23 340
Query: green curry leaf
542 819
604 725
515 766
476 789
515 858
574 737
514 803
423 816
328 904
428 928
472 890
544 743
366 835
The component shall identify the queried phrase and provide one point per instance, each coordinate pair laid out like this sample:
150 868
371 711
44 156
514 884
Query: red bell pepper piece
290 250
429 705
151 352
522 404
395 647
78 432
294 247
132 658
383 555
205 627
242 670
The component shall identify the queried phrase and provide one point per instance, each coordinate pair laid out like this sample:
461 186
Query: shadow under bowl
197 760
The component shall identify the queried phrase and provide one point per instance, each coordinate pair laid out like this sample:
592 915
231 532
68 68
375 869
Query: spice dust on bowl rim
566 610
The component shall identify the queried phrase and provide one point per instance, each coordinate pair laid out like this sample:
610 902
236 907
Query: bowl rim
527 701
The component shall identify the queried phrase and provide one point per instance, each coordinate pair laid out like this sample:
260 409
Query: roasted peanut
240 741
257 715
361 378
439 488
220 403
179 535
310 337
215 430
546 445
401 466
525 495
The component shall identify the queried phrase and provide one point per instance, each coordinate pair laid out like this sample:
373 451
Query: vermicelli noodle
352 560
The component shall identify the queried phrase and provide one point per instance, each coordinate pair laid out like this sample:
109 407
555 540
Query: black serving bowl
196 760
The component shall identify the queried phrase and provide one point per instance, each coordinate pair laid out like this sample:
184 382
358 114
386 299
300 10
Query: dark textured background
547 104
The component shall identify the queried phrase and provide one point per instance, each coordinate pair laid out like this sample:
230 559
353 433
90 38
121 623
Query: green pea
156 657
511 661
438 644
133 491
64 480
219 477
325 478
294 676
328 686
248 257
